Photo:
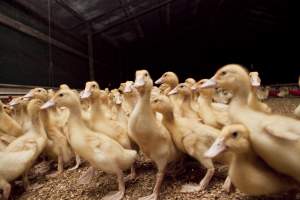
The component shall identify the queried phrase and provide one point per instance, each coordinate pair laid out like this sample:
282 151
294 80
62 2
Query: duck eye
224 73
39 90
94 86
61 95
146 75
234 134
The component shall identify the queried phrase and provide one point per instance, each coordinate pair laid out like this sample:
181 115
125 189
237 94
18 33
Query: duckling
252 99
55 121
283 92
190 82
263 93
260 179
100 123
222 96
14 163
268 133
130 95
20 112
120 116
186 106
206 111
8 125
99 150
169 78
35 132
151 136
190 137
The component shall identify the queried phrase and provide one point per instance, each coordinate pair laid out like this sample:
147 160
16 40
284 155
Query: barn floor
66 186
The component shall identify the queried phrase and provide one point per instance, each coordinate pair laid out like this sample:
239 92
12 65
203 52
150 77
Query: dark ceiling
186 36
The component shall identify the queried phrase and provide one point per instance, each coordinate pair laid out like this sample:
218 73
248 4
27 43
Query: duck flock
217 120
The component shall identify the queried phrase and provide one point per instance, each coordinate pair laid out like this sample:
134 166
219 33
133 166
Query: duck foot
227 185
153 196
189 188
78 162
87 177
114 196
131 176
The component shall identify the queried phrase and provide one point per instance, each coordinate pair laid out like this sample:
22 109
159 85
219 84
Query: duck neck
144 102
75 118
96 107
37 122
168 117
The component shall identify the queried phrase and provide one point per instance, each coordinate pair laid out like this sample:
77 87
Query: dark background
252 33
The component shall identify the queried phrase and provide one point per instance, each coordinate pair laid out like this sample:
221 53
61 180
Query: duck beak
28 95
216 148
194 88
13 102
48 104
127 89
174 91
255 81
159 81
139 82
85 94
210 83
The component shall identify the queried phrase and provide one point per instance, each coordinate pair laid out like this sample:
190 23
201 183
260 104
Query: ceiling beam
133 17
168 15
128 13
108 13
7 21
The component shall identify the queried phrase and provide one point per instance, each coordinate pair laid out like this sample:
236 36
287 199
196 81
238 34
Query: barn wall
25 60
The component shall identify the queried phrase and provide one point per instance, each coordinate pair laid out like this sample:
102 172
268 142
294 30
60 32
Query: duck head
231 77
161 104
63 98
254 79
233 138
37 93
90 90
183 89
143 82
169 78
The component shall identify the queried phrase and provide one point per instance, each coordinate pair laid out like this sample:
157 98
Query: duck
268 133
209 115
14 163
283 92
35 132
190 137
8 109
8 125
99 150
120 115
101 123
263 93
149 134
222 96
261 179
170 79
253 101
130 95
190 82
186 109
54 120
19 105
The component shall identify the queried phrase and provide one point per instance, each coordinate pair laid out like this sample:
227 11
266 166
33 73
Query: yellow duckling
20 115
252 99
191 137
14 163
150 135
54 121
8 125
186 109
100 151
247 171
268 133
36 132
130 97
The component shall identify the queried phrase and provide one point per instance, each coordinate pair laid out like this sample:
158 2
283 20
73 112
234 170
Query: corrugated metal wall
25 60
